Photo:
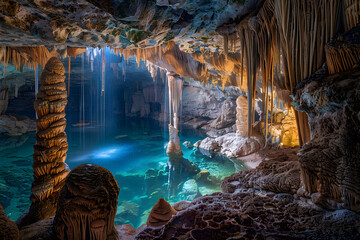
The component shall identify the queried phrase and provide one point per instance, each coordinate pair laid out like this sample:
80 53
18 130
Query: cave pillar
242 116
50 169
175 84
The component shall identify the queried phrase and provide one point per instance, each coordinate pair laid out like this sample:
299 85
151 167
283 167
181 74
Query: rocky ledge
266 202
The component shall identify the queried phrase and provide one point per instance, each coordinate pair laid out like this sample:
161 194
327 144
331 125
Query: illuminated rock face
242 116
87 205
175 96
49 165
330 163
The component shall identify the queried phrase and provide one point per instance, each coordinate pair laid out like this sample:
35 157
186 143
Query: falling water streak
4 71
103 95
82 111
165 107
36 85
69 65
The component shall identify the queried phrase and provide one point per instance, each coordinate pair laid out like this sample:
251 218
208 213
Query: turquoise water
133 149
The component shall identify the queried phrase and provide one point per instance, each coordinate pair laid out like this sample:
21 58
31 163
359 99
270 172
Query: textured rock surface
255 216
49 157
278 172
330 163
160 214
242 116
232 145
8 229
4 100
227 116
16 125
87 204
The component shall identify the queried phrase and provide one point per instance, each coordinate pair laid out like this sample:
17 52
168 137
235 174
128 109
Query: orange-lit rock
49 165
160 214
87 205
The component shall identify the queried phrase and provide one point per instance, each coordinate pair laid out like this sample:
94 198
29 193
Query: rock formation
175 96
330 163
8 229
49 165
241 116
160 214
244 215
87 205
279 172
4 99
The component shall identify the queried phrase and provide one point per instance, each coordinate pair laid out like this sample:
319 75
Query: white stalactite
175 84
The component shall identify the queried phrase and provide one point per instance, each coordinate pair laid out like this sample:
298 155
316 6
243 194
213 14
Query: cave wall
330 163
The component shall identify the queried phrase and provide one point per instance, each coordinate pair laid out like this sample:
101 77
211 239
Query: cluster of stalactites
51 146
30 57
170 58
289 37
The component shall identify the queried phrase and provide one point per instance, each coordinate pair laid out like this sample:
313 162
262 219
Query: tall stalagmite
49 165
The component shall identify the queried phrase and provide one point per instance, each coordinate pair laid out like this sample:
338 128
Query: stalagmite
175 96
8 229
49 165
241 116
87 205
160 214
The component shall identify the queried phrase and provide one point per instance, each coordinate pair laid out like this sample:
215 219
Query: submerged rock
190 190
160 214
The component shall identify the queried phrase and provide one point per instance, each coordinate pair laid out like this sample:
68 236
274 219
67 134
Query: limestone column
242 116
175 84
51 146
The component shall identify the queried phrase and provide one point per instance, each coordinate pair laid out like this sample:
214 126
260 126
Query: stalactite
351 13
175 84
343 52
103 66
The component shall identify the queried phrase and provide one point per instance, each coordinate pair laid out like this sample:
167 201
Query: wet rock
188 144
202 177
181 205
8 229
16 125
128 212
160 214
190 190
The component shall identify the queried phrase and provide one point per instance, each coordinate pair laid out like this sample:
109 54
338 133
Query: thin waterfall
36 85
